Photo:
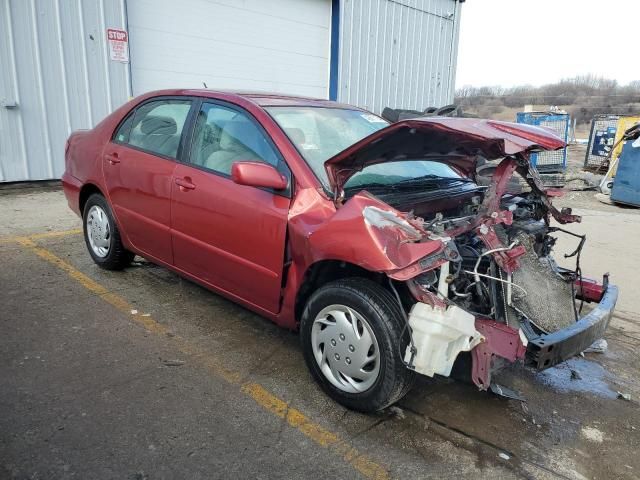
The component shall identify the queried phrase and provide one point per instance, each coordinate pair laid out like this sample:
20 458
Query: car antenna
205 85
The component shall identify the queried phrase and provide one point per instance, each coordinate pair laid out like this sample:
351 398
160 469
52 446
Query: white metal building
65 64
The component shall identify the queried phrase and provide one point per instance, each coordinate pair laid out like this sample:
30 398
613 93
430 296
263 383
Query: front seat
234 138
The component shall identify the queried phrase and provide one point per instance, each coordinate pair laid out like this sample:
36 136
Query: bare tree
583 96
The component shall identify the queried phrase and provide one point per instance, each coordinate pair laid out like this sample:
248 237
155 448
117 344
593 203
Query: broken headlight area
499 294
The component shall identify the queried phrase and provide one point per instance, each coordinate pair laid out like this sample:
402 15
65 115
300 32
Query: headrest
296 135
239 134
158 125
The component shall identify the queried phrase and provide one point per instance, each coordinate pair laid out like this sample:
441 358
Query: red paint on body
590 290
501 341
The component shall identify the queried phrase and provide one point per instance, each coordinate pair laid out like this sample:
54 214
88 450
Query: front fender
364 231
369 233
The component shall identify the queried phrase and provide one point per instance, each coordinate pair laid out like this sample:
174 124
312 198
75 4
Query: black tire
382 312
117 257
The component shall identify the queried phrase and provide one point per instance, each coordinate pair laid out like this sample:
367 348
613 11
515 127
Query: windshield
320 132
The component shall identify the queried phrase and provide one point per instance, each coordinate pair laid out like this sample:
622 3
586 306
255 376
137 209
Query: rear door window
157 127
122 135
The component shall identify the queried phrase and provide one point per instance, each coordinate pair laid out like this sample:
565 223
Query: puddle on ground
592 378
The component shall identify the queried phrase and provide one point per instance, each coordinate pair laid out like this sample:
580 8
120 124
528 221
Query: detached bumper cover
548 350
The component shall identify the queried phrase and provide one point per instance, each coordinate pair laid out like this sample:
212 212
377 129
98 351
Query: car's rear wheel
102 236
351 339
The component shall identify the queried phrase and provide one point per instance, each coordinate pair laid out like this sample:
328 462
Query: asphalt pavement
143 375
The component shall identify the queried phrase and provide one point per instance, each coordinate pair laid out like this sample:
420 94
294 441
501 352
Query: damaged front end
479 274
503 297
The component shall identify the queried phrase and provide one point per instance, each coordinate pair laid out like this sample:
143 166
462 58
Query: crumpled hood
458 141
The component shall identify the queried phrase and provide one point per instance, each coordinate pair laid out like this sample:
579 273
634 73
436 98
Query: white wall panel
275 45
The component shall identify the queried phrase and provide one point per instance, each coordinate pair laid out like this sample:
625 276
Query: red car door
230 236
138 168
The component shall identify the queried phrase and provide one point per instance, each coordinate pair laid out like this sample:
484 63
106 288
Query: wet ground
142 375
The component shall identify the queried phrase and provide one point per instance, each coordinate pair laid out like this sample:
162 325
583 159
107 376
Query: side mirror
257 174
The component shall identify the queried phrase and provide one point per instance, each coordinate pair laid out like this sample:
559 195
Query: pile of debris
396 114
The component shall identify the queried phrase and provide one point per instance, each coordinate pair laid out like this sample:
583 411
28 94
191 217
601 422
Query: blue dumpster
626 185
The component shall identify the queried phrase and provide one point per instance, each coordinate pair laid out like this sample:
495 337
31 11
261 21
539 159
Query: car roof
263 99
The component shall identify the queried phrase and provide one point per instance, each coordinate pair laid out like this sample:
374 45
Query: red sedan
380 242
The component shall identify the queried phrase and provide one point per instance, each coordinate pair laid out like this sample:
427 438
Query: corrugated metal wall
398 53
56 77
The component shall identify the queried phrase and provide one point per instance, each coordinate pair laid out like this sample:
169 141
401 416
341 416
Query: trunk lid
457 141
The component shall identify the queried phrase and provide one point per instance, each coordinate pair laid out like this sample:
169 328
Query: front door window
224 136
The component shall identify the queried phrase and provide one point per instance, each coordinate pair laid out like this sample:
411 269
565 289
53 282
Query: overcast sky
515 42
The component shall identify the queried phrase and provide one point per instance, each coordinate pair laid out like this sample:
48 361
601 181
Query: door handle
185 184
112 158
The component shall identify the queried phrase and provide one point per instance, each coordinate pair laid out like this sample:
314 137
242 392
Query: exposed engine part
460 294
443 285
475 273
503 275
507 282
538 296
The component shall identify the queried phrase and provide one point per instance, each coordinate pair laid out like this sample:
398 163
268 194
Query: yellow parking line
318 434
38 236
90 284
61 233
274 405
9 239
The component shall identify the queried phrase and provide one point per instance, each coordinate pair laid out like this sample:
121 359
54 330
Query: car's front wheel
351 334
102 236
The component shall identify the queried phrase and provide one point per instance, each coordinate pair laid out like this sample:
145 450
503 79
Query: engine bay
494 288
476 282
